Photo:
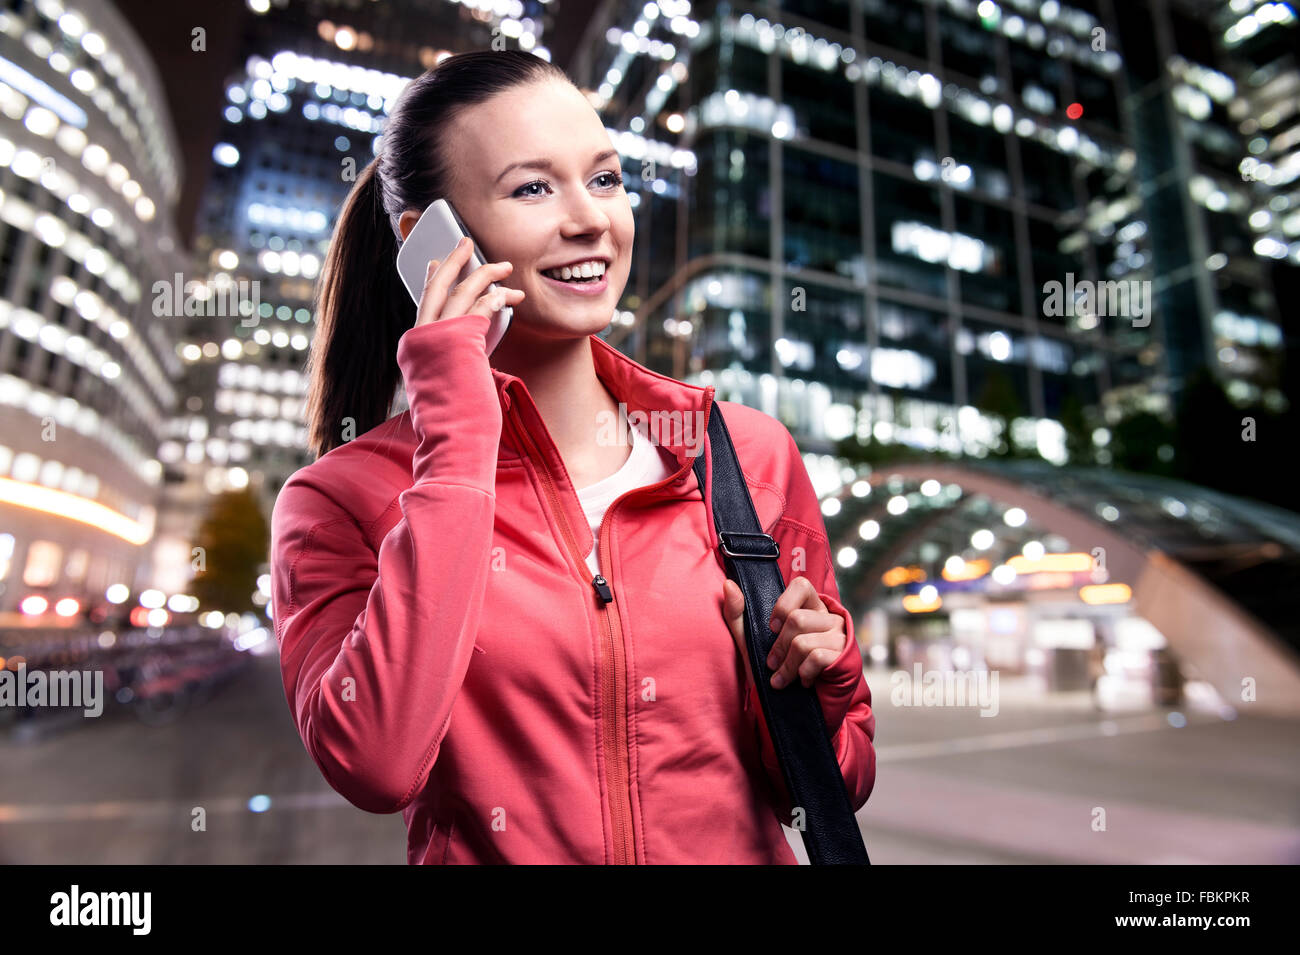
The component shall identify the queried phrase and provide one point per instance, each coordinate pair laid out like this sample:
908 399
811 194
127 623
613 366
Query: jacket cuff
454 406
838 683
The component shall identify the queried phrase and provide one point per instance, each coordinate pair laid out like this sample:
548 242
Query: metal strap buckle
768 548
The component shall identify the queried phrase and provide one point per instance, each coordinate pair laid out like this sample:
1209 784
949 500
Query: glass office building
1212 115
89 174
906 221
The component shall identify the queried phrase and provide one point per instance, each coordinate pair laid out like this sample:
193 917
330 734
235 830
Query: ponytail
362 309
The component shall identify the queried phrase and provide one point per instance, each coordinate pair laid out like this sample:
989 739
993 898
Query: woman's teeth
586 272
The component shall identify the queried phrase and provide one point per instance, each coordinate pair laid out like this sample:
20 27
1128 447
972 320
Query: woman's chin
577 317
553 325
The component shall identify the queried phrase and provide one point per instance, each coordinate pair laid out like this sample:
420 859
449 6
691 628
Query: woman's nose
586 215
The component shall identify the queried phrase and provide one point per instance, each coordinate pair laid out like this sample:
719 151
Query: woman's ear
406 222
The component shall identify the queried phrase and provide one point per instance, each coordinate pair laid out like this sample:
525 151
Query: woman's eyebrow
548 165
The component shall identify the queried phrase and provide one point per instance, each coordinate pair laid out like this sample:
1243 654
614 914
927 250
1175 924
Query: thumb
733 609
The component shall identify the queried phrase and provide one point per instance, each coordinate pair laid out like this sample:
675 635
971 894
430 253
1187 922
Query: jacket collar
673 413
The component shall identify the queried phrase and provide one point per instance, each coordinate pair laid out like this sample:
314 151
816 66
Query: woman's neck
574 403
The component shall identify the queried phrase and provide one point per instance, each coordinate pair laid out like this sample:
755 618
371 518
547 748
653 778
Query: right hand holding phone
472 296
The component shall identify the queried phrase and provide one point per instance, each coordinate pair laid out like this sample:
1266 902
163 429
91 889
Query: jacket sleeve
376 636
841 689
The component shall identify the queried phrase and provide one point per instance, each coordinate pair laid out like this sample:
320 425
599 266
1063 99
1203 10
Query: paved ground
123 793
952 787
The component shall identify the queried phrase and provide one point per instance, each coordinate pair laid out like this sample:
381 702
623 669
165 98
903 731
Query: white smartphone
434 237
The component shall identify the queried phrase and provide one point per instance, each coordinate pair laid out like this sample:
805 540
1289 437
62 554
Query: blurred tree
1078 436
998 398
1204 429
1136 444
234 539
1243 450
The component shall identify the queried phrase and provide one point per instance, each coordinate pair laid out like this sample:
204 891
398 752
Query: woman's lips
580 288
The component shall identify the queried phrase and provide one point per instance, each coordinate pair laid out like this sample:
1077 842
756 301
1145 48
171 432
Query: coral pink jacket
446 652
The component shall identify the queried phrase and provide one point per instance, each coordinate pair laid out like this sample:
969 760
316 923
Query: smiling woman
538 185
497 614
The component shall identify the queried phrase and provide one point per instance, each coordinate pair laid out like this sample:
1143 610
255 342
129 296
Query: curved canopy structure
1218 576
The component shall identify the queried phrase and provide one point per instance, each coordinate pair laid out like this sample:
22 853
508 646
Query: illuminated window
6 554
42 568
76 566
932 245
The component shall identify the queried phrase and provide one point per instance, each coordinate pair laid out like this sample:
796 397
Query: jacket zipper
611 666
613 662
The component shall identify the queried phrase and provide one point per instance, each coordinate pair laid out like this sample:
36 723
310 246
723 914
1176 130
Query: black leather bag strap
793 713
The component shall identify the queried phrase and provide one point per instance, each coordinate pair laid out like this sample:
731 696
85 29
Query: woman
502 611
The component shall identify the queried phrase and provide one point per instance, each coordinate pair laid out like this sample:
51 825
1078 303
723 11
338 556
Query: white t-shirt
647 464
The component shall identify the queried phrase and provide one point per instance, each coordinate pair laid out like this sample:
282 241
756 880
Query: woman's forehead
550 121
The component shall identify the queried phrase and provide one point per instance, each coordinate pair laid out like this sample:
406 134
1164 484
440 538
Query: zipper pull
602 589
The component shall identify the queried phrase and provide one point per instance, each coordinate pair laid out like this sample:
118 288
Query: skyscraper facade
89 174
909 222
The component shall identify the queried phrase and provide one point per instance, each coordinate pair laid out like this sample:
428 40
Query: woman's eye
616 183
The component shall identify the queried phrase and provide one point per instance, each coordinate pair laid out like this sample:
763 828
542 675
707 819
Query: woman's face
538 184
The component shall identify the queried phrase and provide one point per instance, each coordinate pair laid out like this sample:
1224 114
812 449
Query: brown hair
362 308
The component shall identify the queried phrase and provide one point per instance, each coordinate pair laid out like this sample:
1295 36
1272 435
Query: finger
487 305
800 592
459 253
801 620
733 610
463 249
503 297
803 645
460 257
438 276
815 663
461 299
491 303
432 297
